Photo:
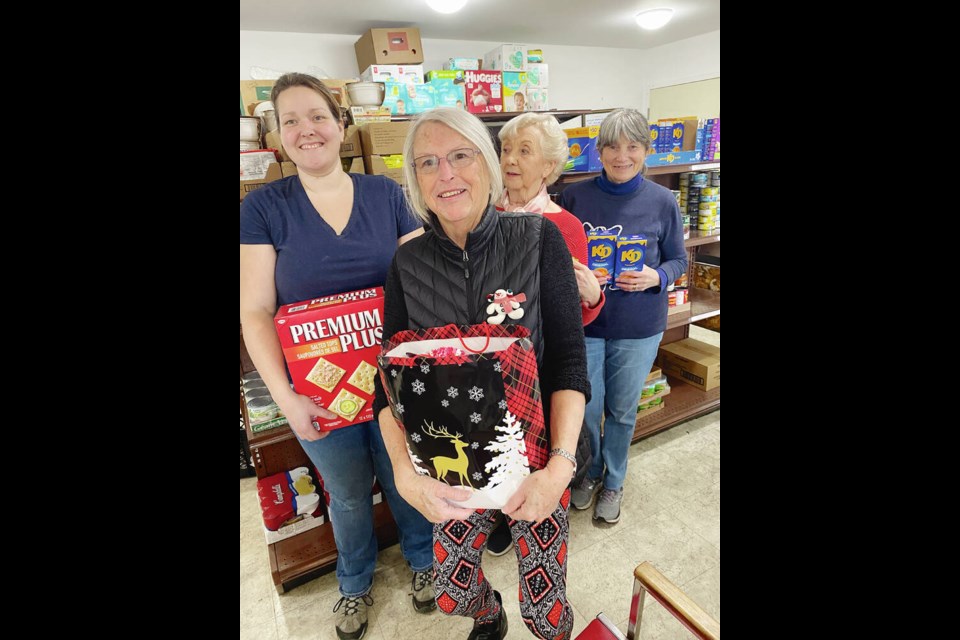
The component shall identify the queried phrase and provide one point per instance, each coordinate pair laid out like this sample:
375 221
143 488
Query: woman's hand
429 497
587 284
639 280
539 494
300 411
602 276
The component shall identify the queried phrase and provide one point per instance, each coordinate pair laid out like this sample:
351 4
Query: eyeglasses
458 159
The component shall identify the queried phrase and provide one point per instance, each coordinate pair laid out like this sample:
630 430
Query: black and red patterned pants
462 589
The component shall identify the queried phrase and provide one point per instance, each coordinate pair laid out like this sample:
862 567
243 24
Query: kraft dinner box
331 345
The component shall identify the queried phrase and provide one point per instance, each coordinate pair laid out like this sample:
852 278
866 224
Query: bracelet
563 453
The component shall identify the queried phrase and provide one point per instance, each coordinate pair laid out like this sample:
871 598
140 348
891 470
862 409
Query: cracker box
331 345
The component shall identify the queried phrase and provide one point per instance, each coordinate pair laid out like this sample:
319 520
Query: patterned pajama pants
462 589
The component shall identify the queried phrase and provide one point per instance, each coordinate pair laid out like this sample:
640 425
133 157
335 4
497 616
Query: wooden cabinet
312 553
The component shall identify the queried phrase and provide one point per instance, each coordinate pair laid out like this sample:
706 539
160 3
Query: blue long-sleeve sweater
651 210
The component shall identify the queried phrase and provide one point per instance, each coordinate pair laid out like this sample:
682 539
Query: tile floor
670 516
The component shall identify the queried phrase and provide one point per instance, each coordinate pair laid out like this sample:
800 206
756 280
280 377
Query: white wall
580 77
696 58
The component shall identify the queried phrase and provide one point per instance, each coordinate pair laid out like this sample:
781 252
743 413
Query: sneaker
500 539
424 597
582 495
493 630
352 616
608 506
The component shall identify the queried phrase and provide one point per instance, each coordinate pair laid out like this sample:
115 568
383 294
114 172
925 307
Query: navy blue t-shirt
312 260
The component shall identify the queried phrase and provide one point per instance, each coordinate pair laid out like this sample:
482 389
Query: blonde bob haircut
553 140
468 126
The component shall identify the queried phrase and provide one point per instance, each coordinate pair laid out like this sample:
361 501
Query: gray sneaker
608 506
352 616
582 495
424 596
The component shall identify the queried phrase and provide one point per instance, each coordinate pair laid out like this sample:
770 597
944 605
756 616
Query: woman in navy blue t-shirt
319 233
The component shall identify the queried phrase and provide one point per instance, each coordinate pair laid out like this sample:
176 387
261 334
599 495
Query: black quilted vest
443 284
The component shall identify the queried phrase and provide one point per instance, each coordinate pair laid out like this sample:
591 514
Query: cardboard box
408 97
538 75
252 92
338 87
351 145
352 165
349 148
331 346
274 172
288 169
506 57
389 46
383 138
483 90
694 362
409 73
463 64
377 166
273 142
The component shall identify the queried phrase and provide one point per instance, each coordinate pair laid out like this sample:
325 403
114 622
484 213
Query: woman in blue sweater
622 342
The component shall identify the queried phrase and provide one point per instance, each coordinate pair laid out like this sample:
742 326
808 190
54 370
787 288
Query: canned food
261 409
257 393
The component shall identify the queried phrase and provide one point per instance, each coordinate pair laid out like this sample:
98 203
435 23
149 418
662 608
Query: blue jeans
617 369
347 459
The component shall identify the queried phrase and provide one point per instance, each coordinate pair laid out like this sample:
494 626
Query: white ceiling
589 23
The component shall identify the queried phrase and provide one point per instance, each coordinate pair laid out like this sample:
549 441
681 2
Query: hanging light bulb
446 6
654 18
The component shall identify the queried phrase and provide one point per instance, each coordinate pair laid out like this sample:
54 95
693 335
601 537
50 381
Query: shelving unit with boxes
685 401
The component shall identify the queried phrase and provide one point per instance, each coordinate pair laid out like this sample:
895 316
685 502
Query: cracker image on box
362 378
347 405
325 374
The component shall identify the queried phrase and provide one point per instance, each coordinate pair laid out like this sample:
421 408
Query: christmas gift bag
468 399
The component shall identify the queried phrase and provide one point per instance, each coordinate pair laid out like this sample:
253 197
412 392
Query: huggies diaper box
331 346
483 91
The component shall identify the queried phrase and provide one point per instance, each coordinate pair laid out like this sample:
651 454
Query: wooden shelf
313 553
698 238
685 402
703 304
680 168
508 115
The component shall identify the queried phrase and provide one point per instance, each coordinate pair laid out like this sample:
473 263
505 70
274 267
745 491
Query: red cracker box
331 346
484 91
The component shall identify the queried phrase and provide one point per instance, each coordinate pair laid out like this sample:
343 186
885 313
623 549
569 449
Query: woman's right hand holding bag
430 496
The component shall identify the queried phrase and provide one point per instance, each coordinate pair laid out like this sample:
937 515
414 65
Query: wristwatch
563 453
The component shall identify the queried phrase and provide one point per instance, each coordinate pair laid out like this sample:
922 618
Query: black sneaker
500 539
494 630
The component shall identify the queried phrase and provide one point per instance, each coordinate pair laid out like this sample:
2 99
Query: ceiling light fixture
654 18
446 6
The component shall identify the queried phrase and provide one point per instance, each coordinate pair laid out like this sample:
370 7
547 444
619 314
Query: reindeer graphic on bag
475 394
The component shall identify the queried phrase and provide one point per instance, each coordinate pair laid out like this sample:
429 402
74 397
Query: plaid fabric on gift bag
468 399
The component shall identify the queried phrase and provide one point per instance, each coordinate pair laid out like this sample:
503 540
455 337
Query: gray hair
471 128
553 139
626 123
